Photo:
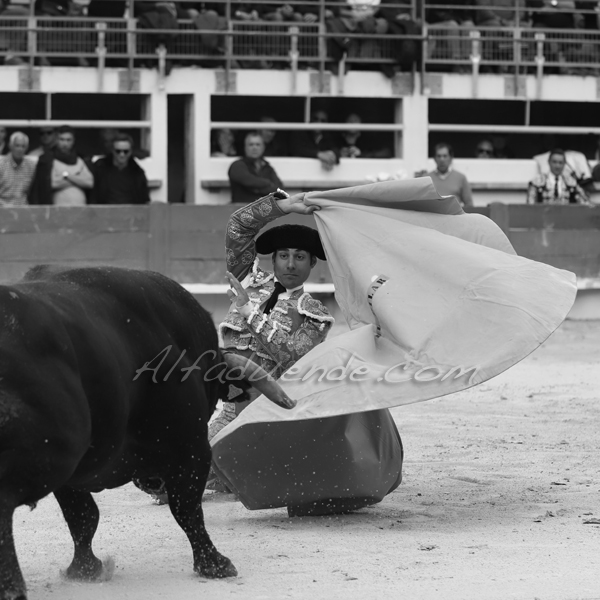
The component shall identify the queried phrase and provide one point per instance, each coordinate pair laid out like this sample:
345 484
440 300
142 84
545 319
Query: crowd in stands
371 18
56 174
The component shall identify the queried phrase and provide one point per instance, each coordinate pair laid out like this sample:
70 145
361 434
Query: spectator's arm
84 179
58 182
465 192
580 196
240 174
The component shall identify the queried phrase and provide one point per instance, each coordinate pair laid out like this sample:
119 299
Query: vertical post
189 149
162 66
475 60
101 53
200 134
424 51
294 54
341 74
517 37
398 135
48 106
155 111
322 43
31 44
539 61
131 48
415 134
228 44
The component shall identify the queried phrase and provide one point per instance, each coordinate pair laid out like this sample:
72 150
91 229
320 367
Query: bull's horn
257 377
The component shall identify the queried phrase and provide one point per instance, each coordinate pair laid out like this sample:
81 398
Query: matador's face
292 266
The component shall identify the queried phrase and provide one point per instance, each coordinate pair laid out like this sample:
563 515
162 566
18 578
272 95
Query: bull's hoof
217 567
90 570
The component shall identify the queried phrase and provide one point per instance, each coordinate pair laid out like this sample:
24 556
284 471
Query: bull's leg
186 487
82 515
12 585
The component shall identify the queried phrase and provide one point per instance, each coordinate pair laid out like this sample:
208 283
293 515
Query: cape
437 301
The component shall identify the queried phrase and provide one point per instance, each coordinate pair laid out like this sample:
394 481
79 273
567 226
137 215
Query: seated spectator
576 165
451 19
550 14
47 141
13 41
275 142
355 143
317 143
446 180
118 178
485 149
350 17
406 52
61 176
162 16
53 41
3 142
222 143
252 176
16 172
556 186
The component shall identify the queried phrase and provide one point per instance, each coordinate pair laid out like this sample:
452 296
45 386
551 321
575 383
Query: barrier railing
254 44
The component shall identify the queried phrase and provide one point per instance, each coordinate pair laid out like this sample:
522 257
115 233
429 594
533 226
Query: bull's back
101 325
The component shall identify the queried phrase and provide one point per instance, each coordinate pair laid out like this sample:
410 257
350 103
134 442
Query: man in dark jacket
118 178
252 177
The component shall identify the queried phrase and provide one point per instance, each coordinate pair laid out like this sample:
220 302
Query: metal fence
39 40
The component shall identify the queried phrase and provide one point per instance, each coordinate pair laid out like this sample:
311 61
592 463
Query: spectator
118 178
446 180
405 51
61 176
275 143
485 149
107 136
47 141
451 19
222 143
551 14
252 176
355 143
576 165
3 143
317 143
16 172
11 42
351 17
556 186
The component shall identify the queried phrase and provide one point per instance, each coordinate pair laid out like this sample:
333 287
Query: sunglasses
46 132
117 151
485 151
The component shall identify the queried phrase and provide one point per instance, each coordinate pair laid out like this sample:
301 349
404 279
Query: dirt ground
500 492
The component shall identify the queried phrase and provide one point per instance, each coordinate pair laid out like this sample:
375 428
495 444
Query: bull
108 374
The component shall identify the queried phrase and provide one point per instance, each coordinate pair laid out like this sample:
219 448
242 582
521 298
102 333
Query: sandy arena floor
500 494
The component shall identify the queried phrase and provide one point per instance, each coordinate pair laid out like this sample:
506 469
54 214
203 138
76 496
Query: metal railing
515 49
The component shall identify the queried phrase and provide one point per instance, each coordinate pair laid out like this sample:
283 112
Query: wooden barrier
186 242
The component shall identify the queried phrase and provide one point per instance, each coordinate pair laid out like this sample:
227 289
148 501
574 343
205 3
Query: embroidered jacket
541 190
294 326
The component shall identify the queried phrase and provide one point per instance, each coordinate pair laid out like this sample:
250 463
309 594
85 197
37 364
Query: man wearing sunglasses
118 178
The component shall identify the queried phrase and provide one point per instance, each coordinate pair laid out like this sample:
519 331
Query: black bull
80 414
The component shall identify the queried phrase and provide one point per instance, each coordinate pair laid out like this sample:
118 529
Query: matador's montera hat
291 236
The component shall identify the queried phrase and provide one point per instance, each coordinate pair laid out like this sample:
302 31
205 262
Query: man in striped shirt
16 172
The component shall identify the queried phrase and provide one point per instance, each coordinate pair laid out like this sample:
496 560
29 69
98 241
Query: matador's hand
295 204
238 293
